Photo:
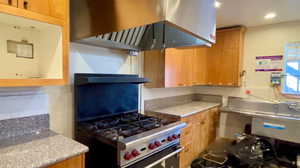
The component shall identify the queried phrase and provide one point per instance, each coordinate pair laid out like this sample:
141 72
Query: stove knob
127 156
170 138
152 146
135 153
175 136
157 143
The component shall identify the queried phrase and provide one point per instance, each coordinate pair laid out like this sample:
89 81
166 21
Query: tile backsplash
178 100
23 105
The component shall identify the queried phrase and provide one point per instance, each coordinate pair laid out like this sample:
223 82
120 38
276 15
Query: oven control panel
153 145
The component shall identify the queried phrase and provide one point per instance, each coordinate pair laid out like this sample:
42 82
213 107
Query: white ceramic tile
23 106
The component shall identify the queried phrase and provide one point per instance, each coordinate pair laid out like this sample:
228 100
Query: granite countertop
41 149
187 109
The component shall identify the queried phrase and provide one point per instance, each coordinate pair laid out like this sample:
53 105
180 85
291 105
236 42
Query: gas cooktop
122 126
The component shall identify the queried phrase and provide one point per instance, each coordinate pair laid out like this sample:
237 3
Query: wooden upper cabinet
9 2
199 64
38 6
53 8
224 67
176 72
174 67
43 35
220 65
58 8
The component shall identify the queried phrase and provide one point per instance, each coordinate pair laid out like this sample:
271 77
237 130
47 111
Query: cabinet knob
25 4
9 2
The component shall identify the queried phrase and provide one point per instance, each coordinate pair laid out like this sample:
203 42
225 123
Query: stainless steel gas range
108 121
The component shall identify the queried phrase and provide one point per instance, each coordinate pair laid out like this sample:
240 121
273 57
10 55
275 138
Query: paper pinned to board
269 63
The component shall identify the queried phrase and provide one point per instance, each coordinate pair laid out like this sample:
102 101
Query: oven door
159 157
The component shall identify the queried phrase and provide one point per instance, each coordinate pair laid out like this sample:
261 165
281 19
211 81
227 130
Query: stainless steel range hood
143 24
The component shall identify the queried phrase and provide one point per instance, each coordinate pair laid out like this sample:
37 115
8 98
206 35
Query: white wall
58 101
83 59
260 41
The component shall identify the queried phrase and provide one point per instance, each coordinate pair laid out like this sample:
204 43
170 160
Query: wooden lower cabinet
200 132
74 162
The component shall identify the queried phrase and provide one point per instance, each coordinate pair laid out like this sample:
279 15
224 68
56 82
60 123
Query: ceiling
252 12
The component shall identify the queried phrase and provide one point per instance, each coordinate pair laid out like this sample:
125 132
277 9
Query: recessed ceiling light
270 15
218 4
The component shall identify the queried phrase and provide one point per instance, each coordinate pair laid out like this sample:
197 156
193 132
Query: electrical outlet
275 79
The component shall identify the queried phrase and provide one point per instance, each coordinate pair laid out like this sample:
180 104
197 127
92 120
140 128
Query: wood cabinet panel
37 6
225 58
220 65
186 135
198 135
175 67
154 68
199 64
58 8
53 8
75 162
186 156
9 2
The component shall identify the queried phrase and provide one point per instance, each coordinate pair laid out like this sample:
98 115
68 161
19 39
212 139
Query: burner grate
123 126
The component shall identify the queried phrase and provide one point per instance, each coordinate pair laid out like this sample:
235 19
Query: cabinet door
213 61
199 66
189 66
38 6
9 2
197 139
154 68
205 124
213 121
186 156
225 58
174 68
229 58
58 8
75 162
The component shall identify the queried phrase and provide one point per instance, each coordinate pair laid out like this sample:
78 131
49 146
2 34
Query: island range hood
143 24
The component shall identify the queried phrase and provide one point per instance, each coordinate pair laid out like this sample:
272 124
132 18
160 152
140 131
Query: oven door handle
165 157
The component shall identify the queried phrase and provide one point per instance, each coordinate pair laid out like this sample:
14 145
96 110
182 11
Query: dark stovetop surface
122 126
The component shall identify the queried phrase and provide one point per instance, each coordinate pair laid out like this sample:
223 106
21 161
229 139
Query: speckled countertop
187 109
37 150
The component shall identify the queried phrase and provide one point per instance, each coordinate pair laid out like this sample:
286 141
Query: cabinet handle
186 150
25 4
9 2
242 74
